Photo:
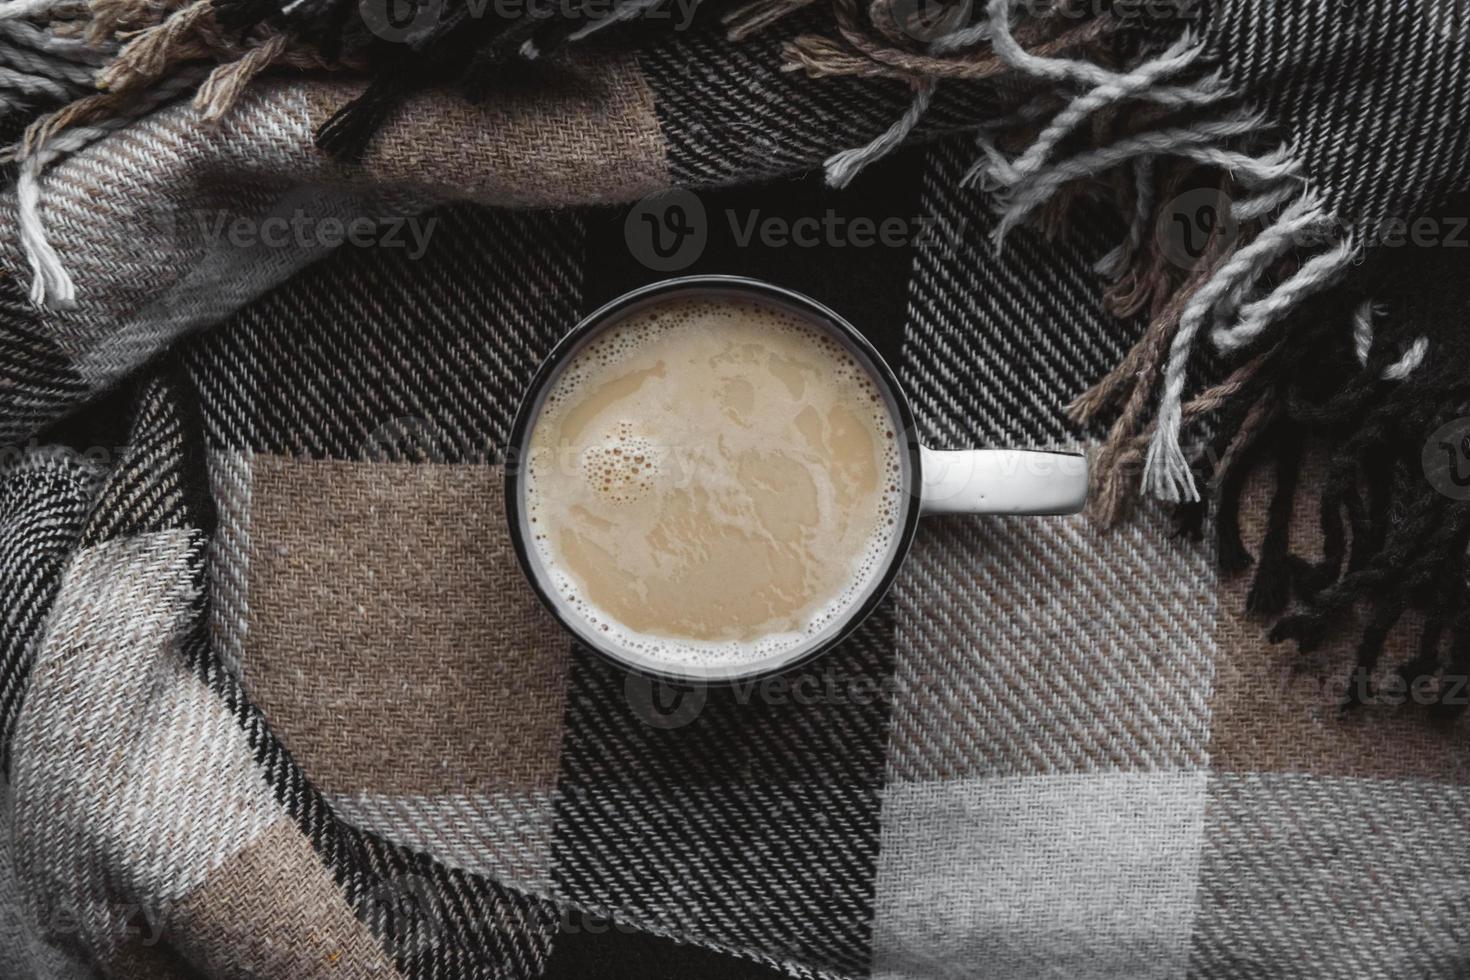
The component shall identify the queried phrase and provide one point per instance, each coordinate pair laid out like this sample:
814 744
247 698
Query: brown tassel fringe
893 54
158 40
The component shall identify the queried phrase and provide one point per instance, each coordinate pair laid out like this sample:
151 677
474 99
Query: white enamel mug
935 482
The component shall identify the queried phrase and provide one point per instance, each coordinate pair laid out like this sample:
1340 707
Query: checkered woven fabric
294 713
276 701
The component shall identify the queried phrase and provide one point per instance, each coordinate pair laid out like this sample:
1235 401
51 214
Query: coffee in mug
713 478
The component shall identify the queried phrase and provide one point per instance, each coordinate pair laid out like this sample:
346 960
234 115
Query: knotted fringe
107 63
1148 131
1378 410
895 53
39 66
1166 110
1191 119
466 45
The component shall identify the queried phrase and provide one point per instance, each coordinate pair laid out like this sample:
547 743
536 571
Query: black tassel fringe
1393 540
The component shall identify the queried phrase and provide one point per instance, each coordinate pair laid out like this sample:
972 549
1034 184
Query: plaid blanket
276 702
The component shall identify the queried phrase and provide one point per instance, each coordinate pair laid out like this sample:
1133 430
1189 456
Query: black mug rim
605 316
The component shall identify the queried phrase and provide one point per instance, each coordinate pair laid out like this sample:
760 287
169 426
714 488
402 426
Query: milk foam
713 483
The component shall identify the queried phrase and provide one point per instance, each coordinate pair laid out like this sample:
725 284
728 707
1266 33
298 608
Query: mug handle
1002 481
